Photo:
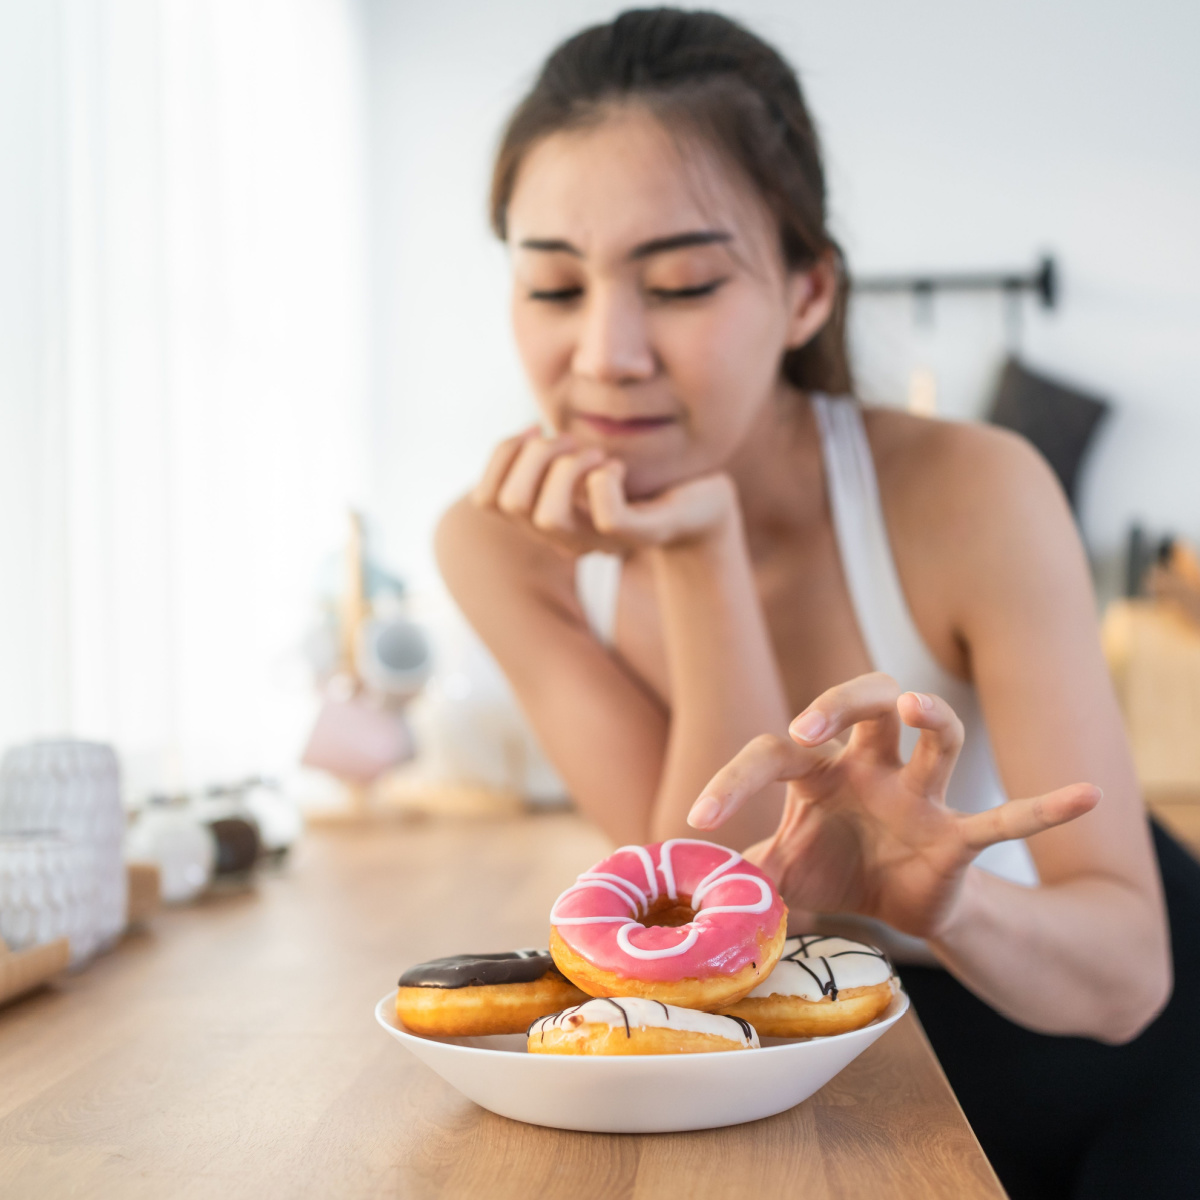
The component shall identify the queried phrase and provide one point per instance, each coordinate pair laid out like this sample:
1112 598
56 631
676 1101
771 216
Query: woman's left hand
862 831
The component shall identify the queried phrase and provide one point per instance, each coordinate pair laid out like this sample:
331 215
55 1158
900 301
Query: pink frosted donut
674 922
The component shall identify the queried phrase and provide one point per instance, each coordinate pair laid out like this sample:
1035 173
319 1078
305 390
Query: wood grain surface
231 1052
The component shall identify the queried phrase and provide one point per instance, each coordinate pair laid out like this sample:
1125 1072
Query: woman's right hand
862 830
575 497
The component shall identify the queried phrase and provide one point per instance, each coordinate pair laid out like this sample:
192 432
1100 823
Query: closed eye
687 293
557 295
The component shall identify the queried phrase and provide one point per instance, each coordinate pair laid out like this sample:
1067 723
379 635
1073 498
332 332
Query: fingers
1024 818
518 492
484 492
868 703
932 762
766 760
555 510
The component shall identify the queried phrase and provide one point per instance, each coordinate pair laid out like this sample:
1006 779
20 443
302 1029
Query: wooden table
232 1052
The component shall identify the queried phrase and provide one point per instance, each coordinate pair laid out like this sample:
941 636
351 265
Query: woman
707 535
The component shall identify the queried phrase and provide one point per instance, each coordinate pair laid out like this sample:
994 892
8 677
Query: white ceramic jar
62 827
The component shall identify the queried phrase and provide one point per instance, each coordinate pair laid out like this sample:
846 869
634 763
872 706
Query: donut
474 995
635 1025
821 986
673 922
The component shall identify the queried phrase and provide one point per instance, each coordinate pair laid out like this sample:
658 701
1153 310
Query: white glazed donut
821 986
635 1025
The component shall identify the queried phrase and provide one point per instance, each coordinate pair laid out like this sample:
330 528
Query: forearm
725 683
1086 958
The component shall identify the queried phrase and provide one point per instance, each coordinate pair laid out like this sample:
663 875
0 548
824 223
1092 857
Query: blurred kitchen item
222 808
1140 553
145 892
238 846
280 822
65 795
1153 652
478 754
356 736
393 657
23 970
922 392
1059 419
383 662
47 893
1174 580
168 834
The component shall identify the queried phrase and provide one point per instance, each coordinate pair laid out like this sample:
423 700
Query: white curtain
182 368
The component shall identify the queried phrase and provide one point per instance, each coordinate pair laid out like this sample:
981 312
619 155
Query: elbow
1138 1004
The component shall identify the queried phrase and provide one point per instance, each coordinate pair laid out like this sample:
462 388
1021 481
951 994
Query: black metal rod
1043 282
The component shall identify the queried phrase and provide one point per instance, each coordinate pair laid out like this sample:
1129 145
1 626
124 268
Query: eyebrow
674 241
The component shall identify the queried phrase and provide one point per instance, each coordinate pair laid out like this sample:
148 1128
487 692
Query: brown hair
705 72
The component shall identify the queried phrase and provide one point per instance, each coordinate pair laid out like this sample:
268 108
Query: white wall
957 136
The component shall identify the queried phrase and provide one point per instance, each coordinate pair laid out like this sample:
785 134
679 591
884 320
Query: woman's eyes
686 293
567 294
556 295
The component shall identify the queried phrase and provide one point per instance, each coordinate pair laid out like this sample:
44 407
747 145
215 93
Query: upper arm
1020 599
602 730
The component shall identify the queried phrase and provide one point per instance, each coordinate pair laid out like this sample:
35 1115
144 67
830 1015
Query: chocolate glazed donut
479 970
476 995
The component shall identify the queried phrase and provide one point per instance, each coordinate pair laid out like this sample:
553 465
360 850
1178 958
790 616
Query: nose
613 347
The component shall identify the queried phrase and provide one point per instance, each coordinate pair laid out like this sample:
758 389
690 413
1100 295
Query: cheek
544 346
725 366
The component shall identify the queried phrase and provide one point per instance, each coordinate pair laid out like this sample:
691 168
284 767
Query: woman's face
650 301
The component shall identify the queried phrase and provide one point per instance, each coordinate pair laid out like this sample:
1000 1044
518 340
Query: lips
622 426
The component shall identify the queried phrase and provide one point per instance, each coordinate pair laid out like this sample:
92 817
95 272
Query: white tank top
888 630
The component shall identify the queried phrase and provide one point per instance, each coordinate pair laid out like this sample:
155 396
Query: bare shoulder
953 460
970 477
971 503
485 556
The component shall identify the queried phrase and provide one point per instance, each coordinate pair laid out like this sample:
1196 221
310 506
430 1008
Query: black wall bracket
1042 282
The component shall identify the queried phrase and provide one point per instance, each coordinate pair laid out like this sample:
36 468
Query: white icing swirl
639 902
635 1012
813 967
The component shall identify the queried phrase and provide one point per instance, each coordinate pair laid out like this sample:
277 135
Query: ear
811 296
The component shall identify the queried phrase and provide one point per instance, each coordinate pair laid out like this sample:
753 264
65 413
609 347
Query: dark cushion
1059 420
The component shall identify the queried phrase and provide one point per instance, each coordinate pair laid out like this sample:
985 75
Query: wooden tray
23 970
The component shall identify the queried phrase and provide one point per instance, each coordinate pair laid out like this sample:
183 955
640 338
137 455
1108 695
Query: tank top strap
892 639
597 586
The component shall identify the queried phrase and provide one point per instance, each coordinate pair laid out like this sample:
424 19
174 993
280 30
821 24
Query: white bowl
659 1093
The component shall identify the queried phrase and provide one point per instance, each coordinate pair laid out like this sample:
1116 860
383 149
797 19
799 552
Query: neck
779 472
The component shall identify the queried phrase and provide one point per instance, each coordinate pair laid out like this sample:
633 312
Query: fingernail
808 726
926 702
704 812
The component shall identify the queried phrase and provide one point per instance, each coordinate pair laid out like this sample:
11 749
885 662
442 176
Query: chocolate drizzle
624 1014
747 1028
801 958
542 1023
480 970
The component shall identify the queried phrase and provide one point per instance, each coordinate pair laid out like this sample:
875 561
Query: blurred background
247 288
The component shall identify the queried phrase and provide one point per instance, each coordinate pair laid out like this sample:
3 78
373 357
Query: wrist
708 554
719 532
961 915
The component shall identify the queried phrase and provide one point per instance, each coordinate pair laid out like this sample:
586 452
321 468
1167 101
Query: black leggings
1069 1117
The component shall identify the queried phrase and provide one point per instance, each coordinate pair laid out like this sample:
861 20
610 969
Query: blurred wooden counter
232 1052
